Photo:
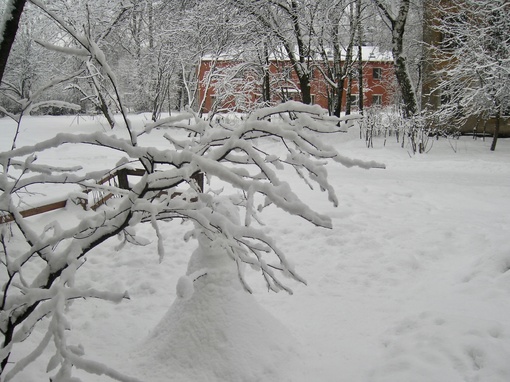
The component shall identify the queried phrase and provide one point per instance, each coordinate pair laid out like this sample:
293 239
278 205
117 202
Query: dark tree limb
9 32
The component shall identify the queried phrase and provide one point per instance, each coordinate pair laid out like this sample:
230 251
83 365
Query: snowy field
412 284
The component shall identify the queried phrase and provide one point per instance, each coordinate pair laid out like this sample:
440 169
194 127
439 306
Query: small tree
290 22
221 150
336 47
230 151
475 59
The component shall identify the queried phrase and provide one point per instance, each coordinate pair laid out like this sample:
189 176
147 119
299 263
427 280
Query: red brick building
233 84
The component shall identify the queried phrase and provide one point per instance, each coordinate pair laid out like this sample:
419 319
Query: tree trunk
266 83
340 79
399 60
8 334
179 102
345 71
348 98
360 58
9 33
103 105
406 87
496 131
339 96
298 64
306 94
342 74
266 92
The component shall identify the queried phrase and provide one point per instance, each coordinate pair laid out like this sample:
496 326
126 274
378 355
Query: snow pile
185 288
215 330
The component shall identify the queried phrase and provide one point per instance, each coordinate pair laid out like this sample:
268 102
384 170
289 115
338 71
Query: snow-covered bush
416 134
409 132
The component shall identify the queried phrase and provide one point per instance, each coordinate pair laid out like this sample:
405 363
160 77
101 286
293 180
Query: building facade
237 85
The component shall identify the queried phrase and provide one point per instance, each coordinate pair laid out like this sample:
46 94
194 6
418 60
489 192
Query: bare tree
396 22
290 22
229 152
335 43
474 58
197 31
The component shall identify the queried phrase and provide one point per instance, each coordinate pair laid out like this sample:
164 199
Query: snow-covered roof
368 53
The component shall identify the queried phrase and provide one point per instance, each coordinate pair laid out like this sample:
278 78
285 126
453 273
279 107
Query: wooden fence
119 178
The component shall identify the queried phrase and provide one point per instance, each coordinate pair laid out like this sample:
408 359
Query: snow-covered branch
473 61
230 152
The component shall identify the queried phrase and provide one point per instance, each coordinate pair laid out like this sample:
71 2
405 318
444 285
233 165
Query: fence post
122 176
199 178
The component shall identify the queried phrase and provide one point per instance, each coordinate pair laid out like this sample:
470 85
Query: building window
377 73
289 94
287 73
377 100
354 101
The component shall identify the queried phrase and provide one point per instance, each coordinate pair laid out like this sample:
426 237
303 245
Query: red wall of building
285 84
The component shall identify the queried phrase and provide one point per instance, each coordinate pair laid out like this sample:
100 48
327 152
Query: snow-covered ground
412 283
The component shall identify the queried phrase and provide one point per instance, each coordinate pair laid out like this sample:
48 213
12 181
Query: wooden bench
119 176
